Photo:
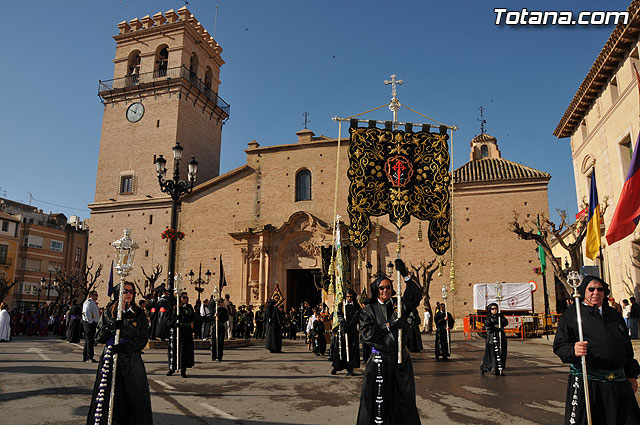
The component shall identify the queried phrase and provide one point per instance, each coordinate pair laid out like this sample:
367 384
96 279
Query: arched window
208 78
484 151
133 68
162 61
303 185
193 67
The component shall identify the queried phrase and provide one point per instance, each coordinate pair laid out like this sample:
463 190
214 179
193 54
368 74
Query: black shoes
333 371
183 373
349 373
170 372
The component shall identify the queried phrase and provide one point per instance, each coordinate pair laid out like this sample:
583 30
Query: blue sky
286 57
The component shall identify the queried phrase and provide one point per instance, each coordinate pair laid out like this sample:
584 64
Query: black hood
587 279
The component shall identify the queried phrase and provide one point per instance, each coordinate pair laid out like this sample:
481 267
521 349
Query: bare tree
5 287
424 276
152 278
77 282
528 230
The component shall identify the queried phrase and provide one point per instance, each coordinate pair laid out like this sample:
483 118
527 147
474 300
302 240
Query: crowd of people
365 330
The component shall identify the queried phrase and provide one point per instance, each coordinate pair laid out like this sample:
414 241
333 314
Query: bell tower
164 90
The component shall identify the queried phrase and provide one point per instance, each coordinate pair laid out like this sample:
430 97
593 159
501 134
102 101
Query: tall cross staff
574 281
125 249
395 103
393 107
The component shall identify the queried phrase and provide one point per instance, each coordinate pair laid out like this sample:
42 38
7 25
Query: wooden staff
446 318
498 343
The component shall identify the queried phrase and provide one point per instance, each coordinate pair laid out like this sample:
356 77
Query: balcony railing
162 75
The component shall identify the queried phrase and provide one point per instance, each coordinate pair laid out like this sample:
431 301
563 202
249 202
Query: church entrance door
300 288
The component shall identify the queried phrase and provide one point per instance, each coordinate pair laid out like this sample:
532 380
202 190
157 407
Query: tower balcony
156 81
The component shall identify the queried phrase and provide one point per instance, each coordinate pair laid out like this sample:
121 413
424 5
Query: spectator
626 311
634 315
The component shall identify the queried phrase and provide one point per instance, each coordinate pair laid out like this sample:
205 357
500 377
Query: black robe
217 342
397 384
319 342
495 349
273 327
186 315
415 339
350 328
609 349
132 404
259 332
443 348
75 316
164 318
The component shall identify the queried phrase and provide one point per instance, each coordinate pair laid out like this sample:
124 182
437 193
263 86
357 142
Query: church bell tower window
484 151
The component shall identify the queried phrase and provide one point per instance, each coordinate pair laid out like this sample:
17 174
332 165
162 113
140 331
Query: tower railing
158 76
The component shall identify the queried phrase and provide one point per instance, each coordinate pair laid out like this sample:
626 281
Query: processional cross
395 103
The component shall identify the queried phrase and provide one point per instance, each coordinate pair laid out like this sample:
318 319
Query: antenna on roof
482 120
215 23
306 119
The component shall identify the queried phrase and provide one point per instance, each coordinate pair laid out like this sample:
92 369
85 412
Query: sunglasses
129 291
184 297
382 288
599 289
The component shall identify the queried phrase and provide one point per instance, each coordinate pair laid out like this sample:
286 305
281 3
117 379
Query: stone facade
251 219
603 126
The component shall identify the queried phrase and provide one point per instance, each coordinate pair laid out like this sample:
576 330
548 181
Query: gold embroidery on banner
402 174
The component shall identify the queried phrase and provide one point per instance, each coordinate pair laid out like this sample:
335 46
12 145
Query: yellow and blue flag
593 221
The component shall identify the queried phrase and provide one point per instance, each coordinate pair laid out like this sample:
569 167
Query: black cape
132 399
350 328
273 328
165 315
317 337
397 384
217 342
75 315
186 316
495 349
612 403
443 348
415 339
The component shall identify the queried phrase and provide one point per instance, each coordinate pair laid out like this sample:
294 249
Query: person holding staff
612 370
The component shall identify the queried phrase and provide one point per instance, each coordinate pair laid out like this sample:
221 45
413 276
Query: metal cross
395 104
482 120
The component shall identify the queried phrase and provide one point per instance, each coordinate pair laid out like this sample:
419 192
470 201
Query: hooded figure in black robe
495 350
259 331
611 368
273 327
443 335
217 336
165 315
186 316
349 327
388 389
415 339
132 401
75 316
319 342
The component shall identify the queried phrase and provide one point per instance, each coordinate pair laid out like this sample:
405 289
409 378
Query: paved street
42 382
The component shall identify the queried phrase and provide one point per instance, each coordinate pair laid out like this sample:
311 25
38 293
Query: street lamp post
175 188
49 285
199 281
369 268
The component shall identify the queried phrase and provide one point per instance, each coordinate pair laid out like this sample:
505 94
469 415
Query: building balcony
157 80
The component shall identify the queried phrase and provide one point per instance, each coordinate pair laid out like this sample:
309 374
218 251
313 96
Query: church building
268 219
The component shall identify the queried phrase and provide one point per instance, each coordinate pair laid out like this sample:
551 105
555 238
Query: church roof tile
496 169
